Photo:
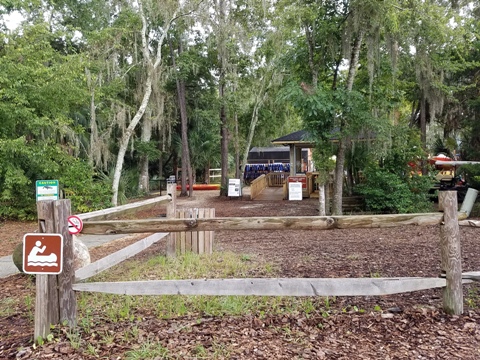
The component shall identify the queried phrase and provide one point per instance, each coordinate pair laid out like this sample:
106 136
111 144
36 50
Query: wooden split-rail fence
63 309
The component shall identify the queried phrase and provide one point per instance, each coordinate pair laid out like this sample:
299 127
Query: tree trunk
338 184
151 68
143 181
126 137
237 148
186 165
423 129
222 59
224 146
310 37
321 200
342 145
93 120
259 100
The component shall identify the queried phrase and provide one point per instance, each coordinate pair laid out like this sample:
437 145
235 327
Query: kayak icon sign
42 253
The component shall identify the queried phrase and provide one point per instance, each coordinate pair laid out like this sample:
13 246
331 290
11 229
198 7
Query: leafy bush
86 190
387 192
471 173
22 163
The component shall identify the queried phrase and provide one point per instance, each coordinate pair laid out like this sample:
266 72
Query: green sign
47 190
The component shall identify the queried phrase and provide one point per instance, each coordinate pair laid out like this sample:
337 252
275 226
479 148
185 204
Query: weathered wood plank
125 209
450 249
389 220
473 223
260 223
209 235
43 314
66 296
472 275
47 310
268 287
117 257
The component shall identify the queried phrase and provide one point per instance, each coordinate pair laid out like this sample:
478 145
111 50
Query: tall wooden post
55 300
441 199
450 248
46 300
171 213
66 295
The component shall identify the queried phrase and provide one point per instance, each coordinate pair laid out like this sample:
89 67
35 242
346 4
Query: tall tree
152 54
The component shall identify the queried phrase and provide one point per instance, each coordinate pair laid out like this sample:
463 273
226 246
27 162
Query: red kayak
201 187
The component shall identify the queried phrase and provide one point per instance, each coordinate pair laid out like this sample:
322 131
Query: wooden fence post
46 300
450 249
66 295
441 199
55 299
171 213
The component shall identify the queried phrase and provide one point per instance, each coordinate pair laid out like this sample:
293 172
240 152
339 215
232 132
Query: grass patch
118 308
24 303
147 350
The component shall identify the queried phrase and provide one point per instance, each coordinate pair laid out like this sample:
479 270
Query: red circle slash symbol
75 224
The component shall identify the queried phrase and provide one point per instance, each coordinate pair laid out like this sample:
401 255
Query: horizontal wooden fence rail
268 287
261 223
127 209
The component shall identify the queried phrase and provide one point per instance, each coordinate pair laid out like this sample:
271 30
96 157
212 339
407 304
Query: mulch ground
403 326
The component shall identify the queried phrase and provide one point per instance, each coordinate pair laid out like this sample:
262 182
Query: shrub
387 192
86 190
471 173
27 164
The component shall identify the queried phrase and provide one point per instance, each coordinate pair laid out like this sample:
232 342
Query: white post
171 214
469 201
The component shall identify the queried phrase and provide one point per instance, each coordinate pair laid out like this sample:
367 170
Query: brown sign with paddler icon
43 253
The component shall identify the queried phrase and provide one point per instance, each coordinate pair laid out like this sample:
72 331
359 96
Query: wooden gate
199 242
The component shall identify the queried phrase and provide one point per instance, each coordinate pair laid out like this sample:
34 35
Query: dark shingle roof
304 138
300 136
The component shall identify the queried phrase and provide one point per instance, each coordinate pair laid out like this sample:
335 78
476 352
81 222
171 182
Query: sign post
55 300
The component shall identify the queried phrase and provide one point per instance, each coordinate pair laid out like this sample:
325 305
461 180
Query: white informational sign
47 190
295 191
234 188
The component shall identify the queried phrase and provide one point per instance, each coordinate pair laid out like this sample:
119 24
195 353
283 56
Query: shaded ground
405 326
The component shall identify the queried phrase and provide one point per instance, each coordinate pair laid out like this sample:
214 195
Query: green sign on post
47 190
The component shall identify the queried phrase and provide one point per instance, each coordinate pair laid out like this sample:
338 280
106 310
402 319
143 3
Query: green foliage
391 185
149 149
148 350
87 190
405 149
322 158
387 192
40 88
471 173
23 162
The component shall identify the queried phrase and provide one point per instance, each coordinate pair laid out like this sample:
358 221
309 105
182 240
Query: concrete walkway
7 267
